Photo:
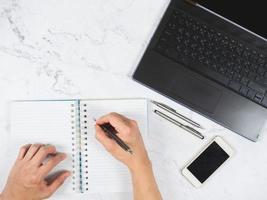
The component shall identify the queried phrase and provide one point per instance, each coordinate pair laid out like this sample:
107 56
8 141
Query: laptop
211 56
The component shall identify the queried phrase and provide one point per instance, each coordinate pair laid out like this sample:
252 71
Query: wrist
140 161
7 196
141 167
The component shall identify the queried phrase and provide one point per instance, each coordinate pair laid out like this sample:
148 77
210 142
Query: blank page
47 122
102 172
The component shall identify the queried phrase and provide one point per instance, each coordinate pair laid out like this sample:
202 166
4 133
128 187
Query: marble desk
51 49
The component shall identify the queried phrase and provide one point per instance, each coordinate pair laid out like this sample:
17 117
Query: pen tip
94 119
154 102
202 137
130 151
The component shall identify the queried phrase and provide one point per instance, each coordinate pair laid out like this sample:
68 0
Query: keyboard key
235 86
161 47
251 75
221 79
168 33
244 80
258 79
251 94
258 98
264 101
237 77
256 87
174 55
261 81
245 72
244 90
172 26
261 71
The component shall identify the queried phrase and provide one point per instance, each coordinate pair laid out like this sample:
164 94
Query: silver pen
185 127
174 112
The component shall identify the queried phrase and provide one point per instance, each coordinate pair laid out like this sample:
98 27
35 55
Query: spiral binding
84 138
75 137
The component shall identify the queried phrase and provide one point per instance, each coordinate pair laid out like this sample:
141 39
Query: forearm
144 184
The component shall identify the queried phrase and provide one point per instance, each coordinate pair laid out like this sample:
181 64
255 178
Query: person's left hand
28 178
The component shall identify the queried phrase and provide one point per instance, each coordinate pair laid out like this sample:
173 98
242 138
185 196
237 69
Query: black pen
111 133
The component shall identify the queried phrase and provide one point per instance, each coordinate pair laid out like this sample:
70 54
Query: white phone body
191 177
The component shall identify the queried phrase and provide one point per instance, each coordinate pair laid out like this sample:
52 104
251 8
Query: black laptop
211 56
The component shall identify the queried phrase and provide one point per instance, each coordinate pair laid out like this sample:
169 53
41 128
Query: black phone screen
208 162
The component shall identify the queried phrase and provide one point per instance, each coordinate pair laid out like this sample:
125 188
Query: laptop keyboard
215 55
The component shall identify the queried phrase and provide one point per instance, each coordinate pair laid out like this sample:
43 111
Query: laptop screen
251 15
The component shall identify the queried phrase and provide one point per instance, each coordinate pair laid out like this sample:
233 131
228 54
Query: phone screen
208 162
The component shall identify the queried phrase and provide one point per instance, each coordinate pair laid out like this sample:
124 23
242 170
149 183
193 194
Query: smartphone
213 156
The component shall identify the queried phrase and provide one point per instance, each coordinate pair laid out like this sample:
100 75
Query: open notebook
69 126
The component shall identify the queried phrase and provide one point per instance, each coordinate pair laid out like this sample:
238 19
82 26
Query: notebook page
47 122
102 172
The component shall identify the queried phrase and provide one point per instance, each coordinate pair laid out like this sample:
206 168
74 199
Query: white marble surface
87 49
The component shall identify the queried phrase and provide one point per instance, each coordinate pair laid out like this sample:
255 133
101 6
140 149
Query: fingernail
64 155
68 173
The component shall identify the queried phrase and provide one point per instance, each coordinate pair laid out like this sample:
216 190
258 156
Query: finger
109 144
119 122
23 150
52 163
56 183
112 117
32 151
43 152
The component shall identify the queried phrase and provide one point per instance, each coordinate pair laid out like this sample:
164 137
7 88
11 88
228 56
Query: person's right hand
28 178
129 132
144 183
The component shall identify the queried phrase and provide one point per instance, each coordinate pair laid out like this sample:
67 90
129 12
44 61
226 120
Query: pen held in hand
112 133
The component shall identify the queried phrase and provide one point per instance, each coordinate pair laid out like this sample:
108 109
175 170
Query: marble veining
89 49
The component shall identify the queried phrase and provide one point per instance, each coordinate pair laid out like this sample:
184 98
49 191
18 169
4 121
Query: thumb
109 144
57 182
